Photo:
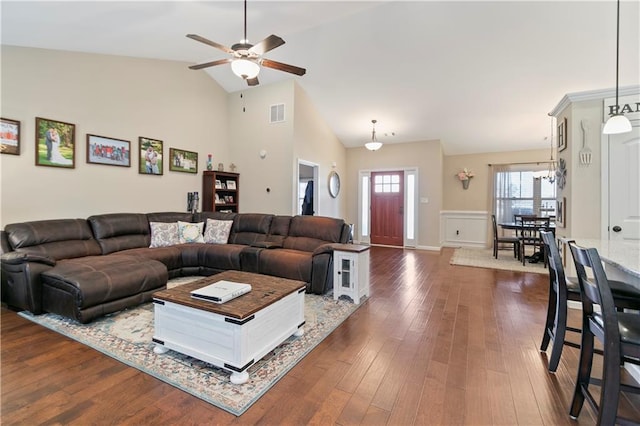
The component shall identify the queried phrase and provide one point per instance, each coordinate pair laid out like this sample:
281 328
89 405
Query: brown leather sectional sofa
86 268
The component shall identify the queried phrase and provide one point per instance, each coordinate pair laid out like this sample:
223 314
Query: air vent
277 113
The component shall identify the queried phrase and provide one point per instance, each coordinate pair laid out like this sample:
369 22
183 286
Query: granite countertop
624 255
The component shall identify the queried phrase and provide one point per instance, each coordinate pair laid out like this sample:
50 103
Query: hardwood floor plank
434 344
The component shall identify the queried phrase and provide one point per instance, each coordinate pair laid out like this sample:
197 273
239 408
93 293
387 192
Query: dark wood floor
434 344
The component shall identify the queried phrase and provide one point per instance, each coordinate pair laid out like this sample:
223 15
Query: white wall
314 141
113 96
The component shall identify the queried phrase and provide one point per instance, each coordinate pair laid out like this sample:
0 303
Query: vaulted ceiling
478 76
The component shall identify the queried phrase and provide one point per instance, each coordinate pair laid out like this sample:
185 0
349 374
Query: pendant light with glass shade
617 123
374 145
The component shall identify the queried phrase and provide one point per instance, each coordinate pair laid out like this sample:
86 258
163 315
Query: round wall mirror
334 184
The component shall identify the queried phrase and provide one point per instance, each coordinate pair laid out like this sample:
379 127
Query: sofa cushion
309 232
57 239
217 231
163 234
250 227
170 256
74 285
215 256
170 217
190 232
294 264
120 231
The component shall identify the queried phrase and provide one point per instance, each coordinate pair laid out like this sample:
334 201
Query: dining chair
497 240
618 332
529 234
561 290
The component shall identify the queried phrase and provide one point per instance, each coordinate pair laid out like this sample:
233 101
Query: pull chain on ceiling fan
247 58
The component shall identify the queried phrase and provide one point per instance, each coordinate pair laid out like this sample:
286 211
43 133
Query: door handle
616 229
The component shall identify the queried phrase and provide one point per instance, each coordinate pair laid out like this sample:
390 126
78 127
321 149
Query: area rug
126 336
483 258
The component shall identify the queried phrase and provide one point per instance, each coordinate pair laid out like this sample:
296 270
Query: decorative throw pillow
164 234
217 231
190 232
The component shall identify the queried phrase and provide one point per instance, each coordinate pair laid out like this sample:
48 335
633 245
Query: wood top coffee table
232 335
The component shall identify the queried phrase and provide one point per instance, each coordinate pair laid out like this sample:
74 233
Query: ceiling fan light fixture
374 145
617 124
245 68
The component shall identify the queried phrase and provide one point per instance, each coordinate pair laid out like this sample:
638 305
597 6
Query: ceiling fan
246 58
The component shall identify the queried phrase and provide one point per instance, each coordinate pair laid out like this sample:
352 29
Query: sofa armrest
17 258
21 280
267 244
325 248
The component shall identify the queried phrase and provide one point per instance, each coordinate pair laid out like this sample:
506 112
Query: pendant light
617 123
551 174
374 145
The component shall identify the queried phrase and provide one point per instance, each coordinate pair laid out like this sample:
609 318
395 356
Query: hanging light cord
617 54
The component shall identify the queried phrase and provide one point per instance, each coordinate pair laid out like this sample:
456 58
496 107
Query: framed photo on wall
183 161
151 158
9 136
108 151
562 135
55 143
561 206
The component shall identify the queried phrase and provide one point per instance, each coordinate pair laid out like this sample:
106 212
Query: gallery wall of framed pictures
55 146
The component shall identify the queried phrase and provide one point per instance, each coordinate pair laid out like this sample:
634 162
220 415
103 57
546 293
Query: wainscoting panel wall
460 228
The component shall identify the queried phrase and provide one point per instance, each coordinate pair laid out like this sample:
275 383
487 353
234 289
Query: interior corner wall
582 206
427 157
315 142
266 184
113 96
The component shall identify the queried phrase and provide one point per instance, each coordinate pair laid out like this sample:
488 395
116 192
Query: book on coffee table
221 291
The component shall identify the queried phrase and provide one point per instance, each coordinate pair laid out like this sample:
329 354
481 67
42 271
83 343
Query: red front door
387 208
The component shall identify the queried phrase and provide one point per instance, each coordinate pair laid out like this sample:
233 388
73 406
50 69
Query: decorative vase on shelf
465 183
209 162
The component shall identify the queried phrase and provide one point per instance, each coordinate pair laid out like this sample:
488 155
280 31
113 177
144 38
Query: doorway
307 188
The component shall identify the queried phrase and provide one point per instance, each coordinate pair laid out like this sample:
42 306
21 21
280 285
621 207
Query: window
387 183
521 192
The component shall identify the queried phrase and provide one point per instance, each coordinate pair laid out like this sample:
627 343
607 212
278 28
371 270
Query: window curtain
501 181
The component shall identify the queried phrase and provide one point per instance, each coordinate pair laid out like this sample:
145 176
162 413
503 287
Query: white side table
350 271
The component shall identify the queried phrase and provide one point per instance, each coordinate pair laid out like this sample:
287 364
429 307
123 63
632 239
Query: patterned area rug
126 336
483 258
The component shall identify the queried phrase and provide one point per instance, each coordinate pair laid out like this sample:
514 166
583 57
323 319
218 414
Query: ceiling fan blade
253 81
267 44
209 42
210 64
283 67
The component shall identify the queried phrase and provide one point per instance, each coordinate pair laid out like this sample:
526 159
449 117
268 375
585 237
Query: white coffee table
233 335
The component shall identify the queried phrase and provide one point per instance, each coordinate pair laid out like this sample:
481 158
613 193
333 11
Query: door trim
408 202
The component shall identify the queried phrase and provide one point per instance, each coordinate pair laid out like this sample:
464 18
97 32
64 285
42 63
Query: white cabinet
350 271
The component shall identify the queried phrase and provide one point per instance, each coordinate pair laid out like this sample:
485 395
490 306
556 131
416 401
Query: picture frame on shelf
55 143
151 156
183 161
9 136
108 151
218 184
231 184
562 135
